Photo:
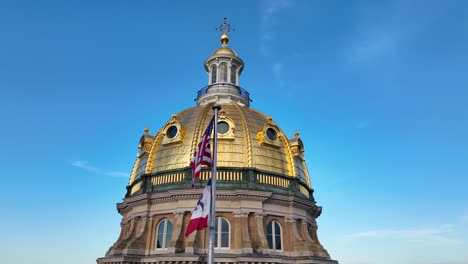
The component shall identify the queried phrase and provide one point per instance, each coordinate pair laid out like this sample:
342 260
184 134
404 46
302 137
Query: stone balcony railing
227 178
223 90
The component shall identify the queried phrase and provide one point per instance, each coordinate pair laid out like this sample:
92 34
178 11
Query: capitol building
265 208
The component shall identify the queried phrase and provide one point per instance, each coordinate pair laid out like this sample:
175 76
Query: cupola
224 68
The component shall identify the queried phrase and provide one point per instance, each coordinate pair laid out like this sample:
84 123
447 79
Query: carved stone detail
137 244
241 213
319 250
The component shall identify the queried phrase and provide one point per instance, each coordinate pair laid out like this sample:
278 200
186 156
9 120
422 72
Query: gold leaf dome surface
224 50
244 145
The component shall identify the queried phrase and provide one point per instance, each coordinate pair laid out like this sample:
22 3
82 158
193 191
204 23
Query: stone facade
247 214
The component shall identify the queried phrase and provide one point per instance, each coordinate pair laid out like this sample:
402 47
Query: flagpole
211 230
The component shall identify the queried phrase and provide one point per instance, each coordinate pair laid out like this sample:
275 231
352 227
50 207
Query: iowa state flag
201 212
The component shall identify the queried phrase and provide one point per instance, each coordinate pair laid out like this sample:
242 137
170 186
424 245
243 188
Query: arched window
213 74
222 233
274 235
233 74
223 72
164 234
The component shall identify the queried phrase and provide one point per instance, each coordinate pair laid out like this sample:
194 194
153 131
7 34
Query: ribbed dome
224 50
249 139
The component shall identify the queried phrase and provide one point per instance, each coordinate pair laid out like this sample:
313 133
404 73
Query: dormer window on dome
173 132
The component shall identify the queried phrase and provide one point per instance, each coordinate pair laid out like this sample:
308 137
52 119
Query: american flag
202 155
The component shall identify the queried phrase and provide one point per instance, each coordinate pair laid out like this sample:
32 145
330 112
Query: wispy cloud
362 124
269 11
436 235
84 165
118 174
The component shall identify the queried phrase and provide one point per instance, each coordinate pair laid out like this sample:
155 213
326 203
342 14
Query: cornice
222 195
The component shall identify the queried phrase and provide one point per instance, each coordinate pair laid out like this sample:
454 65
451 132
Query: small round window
172 131
271 134
223 127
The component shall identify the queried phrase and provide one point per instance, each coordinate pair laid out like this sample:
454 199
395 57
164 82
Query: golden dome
262 182
224 50
249 139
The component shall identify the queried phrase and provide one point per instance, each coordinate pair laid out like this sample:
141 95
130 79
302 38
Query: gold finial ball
224 39
296 134
146 130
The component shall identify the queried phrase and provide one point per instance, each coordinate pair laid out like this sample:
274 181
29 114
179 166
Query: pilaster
149 244
191 242
262 244
299 246
241 223
177 243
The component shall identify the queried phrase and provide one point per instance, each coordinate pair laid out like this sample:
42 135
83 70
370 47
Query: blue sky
377 90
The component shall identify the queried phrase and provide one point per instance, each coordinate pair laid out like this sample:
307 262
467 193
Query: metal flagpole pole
211 230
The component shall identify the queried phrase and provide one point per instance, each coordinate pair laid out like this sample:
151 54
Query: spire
225 27
224 68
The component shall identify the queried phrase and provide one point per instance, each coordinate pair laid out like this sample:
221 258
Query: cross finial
225 27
